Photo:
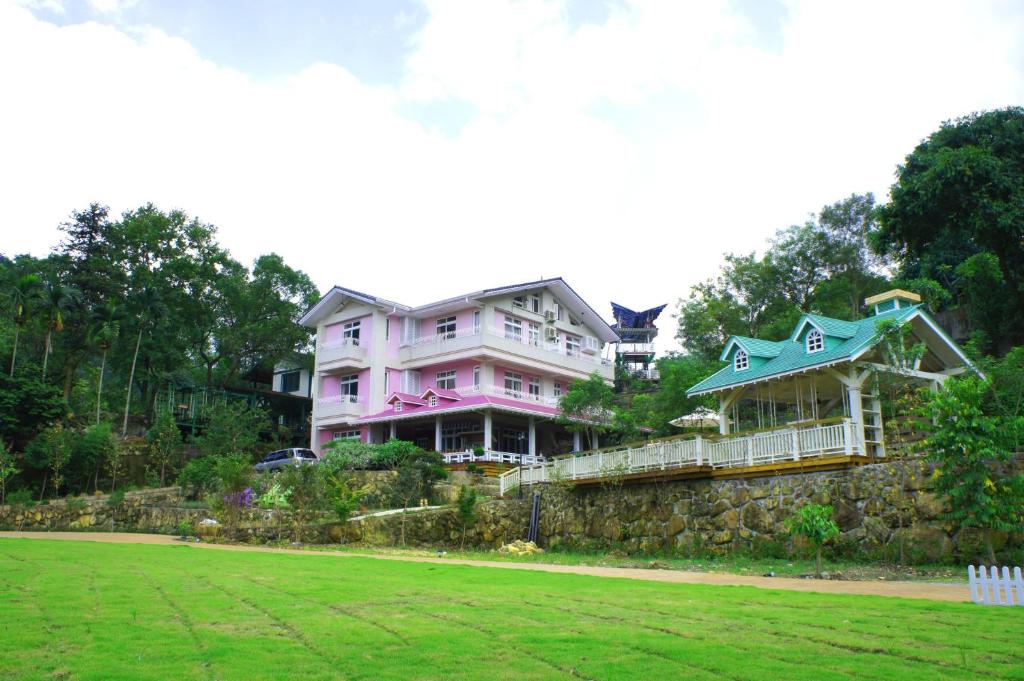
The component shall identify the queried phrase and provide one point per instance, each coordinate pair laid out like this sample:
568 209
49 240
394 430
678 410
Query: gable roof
565 294
753 346
837 328
441 392
793 358
405 398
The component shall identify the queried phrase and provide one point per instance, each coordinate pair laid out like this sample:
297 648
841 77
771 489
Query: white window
535 303
350 386
432 401
350 332
534 387
815 343
398 406
513 384
534 334
572 345
741 361
445 327
346 435
519 301
446 380
558 389
513 329
476 377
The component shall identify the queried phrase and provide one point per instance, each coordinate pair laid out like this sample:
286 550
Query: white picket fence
774 446
491 456
988 587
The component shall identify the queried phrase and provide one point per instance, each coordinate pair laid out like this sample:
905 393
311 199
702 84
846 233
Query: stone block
720 507
675 525
756 518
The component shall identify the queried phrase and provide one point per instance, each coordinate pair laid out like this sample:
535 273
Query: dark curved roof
628 319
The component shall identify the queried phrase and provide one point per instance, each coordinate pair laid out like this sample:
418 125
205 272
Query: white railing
989 588
787 444
339 405
446 336
501 391
343 349
491 456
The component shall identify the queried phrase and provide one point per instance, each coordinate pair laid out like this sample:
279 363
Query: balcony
344 354
339 407
819 441
636 348
497 342
500 391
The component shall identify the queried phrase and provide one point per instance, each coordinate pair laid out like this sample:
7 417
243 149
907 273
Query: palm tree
56 298
106 325
23 296
149 306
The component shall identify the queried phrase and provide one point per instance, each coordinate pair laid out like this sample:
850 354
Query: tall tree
23 296
960 193
106 326
56 299
148 307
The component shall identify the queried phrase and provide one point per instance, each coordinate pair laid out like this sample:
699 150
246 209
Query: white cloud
625 156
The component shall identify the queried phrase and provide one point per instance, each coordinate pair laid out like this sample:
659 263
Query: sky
419 150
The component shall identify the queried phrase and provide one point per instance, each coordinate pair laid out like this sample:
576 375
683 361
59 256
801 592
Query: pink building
485 369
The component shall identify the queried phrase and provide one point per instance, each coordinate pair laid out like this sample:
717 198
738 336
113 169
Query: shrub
116 499
199 477
466 507
234 476
184 528
21 498
306 494
8 470
814 523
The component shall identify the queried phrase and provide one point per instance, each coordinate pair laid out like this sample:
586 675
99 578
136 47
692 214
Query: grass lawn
108 611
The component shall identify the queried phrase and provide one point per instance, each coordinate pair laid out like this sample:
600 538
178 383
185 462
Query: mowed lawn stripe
135 611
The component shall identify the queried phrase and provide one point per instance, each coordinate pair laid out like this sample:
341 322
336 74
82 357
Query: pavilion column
857 414
394 430
532 437
437 433
576 441
488 427
596 444
723 415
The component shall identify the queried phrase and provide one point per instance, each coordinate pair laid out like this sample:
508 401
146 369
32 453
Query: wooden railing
787 444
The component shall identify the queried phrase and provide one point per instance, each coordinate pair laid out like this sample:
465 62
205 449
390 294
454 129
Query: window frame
513 328
446 376
294 373
819 341
573 345
741 357
350 331
348 386
445 327
346 435
513 378
533 387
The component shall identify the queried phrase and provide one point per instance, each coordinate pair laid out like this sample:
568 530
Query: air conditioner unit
591 345
550 333
550 315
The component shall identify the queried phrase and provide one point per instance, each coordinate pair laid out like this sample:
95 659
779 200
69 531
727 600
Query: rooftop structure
636 330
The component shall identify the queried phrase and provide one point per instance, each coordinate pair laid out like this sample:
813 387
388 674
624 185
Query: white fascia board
766 379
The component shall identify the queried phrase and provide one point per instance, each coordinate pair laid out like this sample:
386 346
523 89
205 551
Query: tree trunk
99 385
46 352
14 354
128 397
817 563
46 478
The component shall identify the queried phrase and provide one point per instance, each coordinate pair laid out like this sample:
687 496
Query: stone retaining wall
152 510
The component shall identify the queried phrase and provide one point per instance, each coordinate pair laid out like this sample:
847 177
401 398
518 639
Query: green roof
755 346
792 355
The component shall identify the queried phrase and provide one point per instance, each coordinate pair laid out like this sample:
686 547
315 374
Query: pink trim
405 398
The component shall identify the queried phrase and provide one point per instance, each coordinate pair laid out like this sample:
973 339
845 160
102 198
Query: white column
437 433
393 430
576 441
857 415
488 424
532 437
723 415
596 444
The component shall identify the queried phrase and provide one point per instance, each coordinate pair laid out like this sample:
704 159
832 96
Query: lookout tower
635 349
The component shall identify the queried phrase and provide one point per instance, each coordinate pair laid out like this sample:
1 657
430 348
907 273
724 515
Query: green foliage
21 498
352 454
587 406
275 497
975 426
416 477
343 494
164 444
465 506
184 528
307 494
50 451
27 404
958 195
116 499
199 476
234 474
90 450
8 469
233 427
814 523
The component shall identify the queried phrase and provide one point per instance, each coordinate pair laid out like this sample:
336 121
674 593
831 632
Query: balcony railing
339 405
341 352
501 391
439 340
787 444
491 456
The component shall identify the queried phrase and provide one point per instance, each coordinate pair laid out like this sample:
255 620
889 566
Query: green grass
106 611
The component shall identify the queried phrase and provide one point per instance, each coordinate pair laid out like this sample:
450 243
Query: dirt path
922 590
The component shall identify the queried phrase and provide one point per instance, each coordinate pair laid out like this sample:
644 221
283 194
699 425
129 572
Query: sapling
814 523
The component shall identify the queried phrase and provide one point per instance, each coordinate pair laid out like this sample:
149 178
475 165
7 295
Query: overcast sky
421 150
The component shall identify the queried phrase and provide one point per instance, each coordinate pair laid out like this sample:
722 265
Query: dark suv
285 457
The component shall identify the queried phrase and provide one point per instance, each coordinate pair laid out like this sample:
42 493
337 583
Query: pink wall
334 332
330 385
499 376
328 435
463 373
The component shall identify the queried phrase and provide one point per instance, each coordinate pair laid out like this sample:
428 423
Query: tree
960 193
415 480
149 307
677 374
106 326
27 405
973 431
587 406
306 495
342 493
164 443
8 469
90 450
233 427
466 507
55 299
814 523
234 479
23 296
50 451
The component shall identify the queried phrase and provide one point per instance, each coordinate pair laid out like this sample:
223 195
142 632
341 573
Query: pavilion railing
786 444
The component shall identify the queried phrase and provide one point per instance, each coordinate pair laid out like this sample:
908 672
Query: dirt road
922 590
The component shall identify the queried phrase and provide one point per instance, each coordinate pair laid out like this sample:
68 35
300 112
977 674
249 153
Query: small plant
21 498
473 469
466 507
479 451
75 504
184 528
116 499
814 523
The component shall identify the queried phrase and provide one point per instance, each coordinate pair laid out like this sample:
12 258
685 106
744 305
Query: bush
116 499
199 477
21 498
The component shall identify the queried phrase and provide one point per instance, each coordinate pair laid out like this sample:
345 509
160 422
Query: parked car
285 457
